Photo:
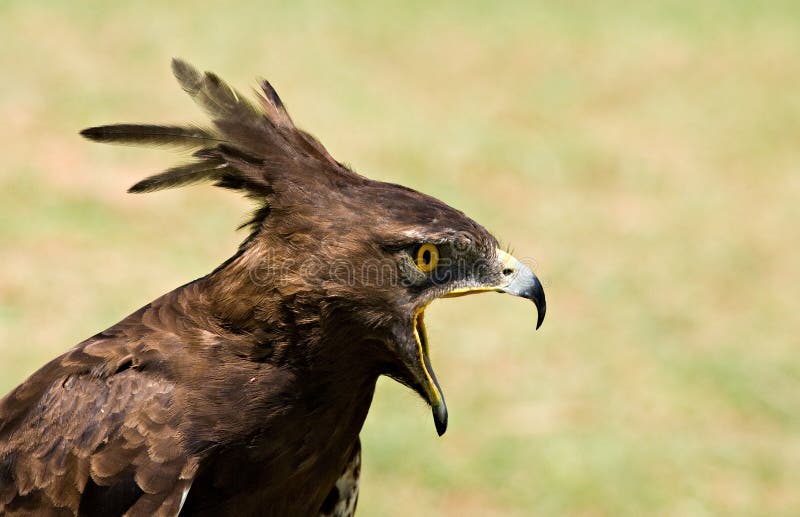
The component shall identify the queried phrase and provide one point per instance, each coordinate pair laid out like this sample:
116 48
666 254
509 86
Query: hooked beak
518 280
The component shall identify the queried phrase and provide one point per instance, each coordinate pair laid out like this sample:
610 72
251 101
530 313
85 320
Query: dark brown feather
181 176
153 135
71 440
214 95
273 106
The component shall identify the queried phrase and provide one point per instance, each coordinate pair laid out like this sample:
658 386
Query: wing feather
92 444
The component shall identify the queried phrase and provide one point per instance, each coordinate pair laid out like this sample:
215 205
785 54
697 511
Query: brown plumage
243 392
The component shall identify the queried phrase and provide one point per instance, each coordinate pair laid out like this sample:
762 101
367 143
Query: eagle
244 392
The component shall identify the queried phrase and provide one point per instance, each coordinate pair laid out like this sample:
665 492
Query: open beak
518 280
433 391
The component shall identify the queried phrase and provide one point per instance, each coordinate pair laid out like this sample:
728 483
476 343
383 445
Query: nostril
508 272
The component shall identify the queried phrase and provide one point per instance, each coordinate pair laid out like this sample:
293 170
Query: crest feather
244 146
150 134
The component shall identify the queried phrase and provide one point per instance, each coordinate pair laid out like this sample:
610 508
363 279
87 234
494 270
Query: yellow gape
427 257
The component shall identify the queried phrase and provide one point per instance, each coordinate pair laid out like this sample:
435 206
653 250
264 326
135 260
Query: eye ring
427 257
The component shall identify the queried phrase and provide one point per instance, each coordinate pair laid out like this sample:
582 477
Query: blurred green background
644 154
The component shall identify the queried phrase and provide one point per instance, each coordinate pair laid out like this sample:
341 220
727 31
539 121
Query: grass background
645 155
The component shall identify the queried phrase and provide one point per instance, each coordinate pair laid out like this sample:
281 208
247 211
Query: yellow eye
427 258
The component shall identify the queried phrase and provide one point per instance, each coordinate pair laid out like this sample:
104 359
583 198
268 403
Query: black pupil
426 257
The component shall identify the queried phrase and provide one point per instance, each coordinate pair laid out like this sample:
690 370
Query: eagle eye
427 257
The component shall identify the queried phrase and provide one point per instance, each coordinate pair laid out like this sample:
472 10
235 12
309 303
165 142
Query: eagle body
244 392
166 403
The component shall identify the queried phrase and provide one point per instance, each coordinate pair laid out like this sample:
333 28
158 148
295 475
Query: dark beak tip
538 298
440 420
541 309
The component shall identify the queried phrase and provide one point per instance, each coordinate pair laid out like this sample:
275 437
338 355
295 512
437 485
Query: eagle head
363 258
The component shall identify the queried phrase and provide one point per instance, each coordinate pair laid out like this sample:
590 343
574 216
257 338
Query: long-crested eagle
244 392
